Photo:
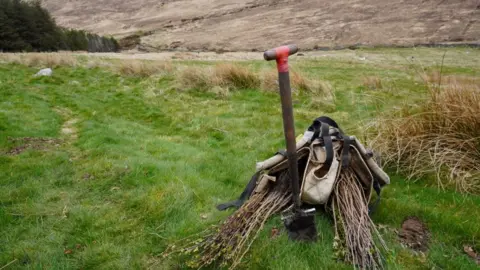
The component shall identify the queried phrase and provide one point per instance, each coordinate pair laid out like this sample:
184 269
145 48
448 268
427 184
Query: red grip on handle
282 58
281 54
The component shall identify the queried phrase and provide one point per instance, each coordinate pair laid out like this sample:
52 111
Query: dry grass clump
139 68
433 78
324 104
373 83
236 77
10 58
440 138
233 77
220 79
40 60
269 81
299 82
197 78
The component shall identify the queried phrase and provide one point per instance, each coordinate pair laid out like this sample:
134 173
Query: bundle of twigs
354 230
229 242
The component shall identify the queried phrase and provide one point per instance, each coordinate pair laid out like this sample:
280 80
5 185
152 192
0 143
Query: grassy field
135 163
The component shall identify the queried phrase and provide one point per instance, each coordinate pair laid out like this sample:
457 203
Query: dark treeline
27 26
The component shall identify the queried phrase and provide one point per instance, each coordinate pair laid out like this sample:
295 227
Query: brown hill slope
259 24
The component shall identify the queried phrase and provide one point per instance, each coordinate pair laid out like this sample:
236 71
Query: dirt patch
26 143
414 234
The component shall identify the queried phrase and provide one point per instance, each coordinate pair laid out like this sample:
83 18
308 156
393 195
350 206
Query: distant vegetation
27 26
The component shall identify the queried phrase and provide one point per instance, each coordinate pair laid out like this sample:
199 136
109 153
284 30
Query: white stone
44 72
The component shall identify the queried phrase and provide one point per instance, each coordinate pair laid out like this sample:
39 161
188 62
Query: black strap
346 151
325 119
243 197
316 129
378 190
327 141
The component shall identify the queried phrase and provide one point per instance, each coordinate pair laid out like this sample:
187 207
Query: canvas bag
319 178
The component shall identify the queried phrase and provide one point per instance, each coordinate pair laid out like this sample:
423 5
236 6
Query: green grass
147 163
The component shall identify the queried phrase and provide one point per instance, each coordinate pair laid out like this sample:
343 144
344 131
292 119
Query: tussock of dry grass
10 58
433 78
143 68
270 81
300 84
198 78
40 60
236 77
373 83
440 138
233 77
220 79
137 68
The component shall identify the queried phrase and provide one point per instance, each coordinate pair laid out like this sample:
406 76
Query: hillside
259 24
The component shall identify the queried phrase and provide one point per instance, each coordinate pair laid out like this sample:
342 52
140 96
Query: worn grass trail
141 165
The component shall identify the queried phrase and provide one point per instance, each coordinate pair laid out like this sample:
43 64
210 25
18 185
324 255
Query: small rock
44 72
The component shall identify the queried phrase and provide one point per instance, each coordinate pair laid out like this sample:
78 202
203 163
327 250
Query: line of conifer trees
27 26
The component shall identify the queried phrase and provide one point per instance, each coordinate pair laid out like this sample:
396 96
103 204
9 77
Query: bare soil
26 143
250 25
414 234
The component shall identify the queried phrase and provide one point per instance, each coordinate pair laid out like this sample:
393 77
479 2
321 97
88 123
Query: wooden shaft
289 131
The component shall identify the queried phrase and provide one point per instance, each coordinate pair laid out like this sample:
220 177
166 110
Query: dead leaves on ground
274 233
36 143
471 253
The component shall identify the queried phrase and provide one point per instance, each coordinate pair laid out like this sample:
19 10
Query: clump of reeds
141 68
40 60
220 79
300 84
373 83
440 137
